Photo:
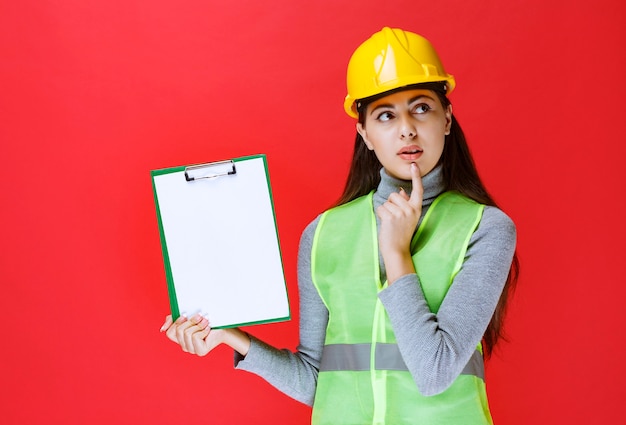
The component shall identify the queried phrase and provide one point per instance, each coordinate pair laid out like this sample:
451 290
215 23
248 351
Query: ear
448 119
361 130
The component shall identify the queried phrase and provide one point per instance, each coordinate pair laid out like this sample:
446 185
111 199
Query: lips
410 153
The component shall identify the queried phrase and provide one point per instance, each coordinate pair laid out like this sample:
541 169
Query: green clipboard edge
171 289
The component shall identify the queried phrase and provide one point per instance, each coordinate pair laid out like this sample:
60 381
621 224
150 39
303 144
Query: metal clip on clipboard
211 170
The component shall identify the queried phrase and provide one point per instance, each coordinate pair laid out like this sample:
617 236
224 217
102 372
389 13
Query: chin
401 176
423 173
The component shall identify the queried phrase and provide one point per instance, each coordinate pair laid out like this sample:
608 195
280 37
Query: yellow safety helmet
391 59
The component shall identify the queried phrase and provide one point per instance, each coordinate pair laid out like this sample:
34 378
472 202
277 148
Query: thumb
418 190
167 324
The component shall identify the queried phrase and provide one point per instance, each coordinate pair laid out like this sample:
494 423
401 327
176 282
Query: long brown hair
459 173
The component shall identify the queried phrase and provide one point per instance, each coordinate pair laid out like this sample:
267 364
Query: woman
404 284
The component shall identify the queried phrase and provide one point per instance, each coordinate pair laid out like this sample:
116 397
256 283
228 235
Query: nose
407 128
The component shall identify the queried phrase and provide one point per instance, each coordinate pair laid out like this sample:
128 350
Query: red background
95 94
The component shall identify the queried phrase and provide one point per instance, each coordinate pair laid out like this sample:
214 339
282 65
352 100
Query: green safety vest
363 378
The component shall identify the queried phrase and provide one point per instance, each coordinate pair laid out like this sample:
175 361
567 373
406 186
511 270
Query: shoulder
495 229
347 210
495 219
306 240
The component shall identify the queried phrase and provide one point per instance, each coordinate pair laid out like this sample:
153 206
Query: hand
398 220
194 335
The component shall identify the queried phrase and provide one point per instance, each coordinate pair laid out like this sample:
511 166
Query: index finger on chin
417 190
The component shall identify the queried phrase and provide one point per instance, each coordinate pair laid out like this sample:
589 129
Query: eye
422 108
384 116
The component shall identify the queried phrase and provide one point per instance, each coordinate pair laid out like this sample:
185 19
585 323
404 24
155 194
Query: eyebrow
411 100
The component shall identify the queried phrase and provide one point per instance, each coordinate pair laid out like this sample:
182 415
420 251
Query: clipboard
220 242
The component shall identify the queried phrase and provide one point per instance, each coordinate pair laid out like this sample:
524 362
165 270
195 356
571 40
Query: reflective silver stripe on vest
356 357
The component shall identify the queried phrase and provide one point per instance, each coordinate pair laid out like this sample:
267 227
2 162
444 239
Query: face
405 127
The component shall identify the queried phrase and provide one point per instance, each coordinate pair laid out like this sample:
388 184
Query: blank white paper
223 246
